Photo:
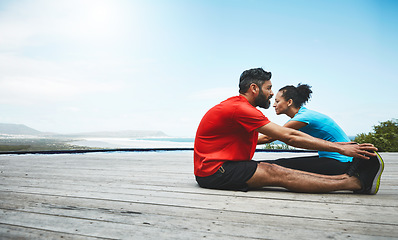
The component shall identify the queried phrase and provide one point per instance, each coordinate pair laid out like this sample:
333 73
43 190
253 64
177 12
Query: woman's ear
290 102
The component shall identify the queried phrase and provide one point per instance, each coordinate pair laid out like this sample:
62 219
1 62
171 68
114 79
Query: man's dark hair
300 94
256 75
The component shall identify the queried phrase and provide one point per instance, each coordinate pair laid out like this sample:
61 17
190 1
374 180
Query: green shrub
384 136
282 146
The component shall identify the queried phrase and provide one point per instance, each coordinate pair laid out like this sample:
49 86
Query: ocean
149 142
158 142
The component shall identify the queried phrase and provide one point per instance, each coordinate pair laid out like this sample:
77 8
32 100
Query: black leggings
314 164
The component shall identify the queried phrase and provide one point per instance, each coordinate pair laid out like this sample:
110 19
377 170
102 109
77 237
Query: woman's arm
295 124
301 140
263 139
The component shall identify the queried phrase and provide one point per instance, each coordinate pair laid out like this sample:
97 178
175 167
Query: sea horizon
147 142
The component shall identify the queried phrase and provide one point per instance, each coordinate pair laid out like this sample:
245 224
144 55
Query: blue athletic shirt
322 126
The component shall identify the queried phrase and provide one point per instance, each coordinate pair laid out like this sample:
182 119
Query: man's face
263 98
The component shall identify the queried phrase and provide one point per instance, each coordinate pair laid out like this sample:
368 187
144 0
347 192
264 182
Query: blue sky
78 66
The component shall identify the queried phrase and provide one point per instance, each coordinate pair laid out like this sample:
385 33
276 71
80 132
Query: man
226 141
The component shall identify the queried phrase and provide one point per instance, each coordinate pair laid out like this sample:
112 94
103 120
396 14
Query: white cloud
27 81
40 88
45 50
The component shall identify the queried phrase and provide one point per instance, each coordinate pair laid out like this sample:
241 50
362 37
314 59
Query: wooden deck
153 195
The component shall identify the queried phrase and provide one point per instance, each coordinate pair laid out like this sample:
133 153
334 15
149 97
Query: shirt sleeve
250 117
301 117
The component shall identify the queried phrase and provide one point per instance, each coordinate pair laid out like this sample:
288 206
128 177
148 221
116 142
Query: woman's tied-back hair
300 94
256 75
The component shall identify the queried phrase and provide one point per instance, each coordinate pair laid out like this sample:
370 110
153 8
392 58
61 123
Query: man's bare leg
336 177
273 175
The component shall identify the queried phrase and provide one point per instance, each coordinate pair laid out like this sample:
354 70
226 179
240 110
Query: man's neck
249 98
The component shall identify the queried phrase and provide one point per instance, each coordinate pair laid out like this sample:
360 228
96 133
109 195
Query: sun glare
93 19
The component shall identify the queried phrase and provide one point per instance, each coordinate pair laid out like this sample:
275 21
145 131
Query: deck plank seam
228 210
59 232
193 193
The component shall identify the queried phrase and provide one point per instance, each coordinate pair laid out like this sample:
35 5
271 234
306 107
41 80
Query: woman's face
280 105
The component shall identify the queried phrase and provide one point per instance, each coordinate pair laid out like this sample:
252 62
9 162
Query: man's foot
369 173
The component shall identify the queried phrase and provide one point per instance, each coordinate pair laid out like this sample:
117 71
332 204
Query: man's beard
262 100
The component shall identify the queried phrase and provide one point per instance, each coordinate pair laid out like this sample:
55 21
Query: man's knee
271 170
266 174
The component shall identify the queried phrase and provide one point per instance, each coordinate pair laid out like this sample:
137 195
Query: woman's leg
313 164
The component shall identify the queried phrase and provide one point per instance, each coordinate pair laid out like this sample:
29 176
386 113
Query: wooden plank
8 231
314 210
99 229
191 188
131 178
126 190
199 219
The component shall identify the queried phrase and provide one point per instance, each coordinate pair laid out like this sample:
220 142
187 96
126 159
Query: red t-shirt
226 133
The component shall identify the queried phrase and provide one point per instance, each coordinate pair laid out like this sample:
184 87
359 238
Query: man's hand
357 150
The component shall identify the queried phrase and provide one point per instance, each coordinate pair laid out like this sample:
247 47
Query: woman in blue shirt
290 100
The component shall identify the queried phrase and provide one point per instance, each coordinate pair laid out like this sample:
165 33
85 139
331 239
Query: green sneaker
376 181
369 173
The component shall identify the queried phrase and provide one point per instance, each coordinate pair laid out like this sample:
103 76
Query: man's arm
263 139
301 140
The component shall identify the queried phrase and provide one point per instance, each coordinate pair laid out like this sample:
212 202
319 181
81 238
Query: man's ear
254 88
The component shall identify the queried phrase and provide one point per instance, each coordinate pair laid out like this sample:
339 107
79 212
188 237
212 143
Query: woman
290 100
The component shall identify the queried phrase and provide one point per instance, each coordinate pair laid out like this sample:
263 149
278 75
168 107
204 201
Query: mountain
20 129
17 129
120 134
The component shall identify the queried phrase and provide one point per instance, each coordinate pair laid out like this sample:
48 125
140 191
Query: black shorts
232 175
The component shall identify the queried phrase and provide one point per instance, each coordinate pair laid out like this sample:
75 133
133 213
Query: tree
384 136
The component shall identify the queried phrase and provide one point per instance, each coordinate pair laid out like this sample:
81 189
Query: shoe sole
376 181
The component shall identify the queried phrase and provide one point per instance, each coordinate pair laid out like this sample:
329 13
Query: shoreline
48 145
81 151
102 142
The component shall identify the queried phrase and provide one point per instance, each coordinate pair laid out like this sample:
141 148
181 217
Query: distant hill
17 129
121 134
20 129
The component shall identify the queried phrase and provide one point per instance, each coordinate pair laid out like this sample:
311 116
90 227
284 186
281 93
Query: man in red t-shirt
227 136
